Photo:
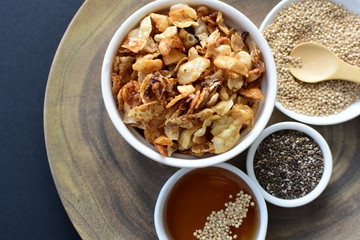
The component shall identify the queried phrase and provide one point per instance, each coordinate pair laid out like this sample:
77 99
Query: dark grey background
30 31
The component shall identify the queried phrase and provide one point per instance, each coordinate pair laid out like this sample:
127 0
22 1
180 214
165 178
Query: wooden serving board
109 190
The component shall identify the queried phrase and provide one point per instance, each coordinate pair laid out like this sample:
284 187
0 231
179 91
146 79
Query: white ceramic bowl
347 114
160 224
269 85
327 163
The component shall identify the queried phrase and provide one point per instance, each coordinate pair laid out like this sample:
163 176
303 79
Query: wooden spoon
320 64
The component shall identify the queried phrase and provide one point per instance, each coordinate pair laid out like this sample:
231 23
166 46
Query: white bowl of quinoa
167 135
291 163
335 24
202 204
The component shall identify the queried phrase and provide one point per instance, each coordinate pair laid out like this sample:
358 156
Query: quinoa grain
219 223
322 22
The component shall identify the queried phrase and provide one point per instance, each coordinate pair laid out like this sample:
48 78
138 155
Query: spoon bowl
318 63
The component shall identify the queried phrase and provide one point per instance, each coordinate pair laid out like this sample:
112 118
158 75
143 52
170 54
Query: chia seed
288 164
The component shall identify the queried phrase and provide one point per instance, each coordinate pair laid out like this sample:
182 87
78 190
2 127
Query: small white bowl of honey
217 202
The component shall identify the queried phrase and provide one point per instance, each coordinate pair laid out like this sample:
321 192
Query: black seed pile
288 164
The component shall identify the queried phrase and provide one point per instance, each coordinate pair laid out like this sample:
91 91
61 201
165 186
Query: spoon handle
347 72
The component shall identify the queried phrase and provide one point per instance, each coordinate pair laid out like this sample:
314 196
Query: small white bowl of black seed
291 163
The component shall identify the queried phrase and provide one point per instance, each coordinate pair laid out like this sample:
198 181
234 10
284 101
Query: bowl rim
167 187
328 163
350 112
149 151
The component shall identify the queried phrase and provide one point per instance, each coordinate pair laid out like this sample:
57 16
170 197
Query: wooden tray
109 189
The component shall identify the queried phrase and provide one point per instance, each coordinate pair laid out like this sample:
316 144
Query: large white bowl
233 18
325 178
347 114
159 218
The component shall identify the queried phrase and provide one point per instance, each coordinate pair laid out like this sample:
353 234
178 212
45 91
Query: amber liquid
200 192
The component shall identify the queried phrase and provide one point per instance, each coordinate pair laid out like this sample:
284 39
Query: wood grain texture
109 190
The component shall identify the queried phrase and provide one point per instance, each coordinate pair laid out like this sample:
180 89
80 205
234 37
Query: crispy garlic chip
188 80
191 71
231 65
226 133
183 16
173 57
169 32
226 130
137 38
162 22
147 65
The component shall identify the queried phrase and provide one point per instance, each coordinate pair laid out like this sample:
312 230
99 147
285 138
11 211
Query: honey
199 193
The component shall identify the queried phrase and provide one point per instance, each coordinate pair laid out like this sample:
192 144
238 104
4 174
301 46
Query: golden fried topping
189 81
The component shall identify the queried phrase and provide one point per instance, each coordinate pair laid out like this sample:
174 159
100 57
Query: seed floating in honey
208 195
219 223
